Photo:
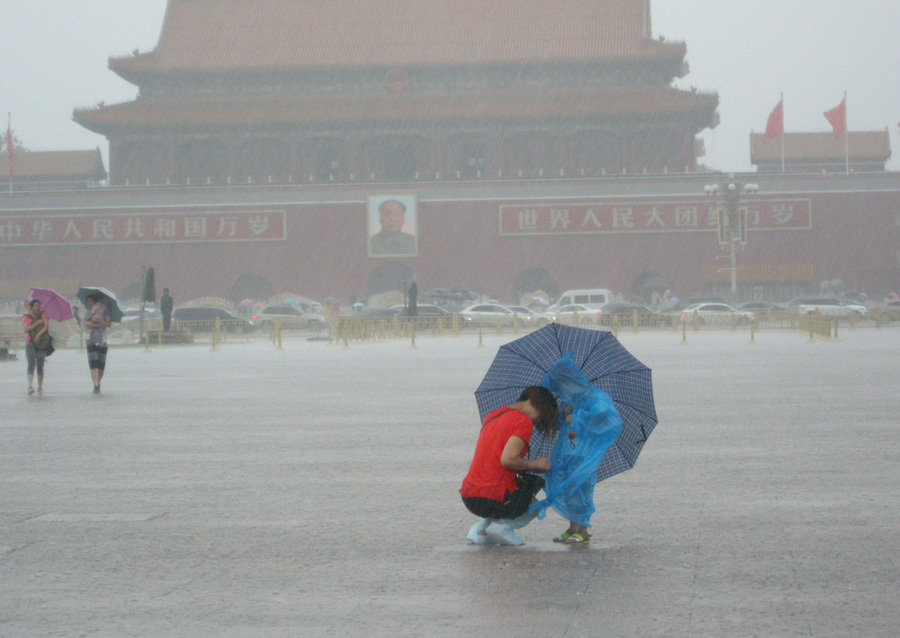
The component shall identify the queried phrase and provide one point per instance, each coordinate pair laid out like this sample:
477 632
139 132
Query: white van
594 298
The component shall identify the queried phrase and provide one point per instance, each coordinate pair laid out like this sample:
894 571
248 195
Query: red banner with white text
50 229
648 217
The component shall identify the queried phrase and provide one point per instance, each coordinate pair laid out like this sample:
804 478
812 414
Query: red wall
854 237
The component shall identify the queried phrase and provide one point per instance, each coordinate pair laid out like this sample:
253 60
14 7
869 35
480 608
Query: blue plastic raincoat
580 445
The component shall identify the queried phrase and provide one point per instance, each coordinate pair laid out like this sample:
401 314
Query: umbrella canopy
603 360
107 298
246 302
54 304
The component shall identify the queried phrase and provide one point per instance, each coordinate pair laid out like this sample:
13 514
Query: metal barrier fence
345 330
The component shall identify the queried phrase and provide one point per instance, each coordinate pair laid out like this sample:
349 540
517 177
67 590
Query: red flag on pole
775 125
837 117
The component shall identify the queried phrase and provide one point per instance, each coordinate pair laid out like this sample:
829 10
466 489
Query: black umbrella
105 297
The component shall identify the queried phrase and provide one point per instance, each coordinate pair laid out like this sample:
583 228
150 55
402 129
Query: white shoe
477 534
503 532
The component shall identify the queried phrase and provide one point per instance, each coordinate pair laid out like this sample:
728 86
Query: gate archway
533 280
389 276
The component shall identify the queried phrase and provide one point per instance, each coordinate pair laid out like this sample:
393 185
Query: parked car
527 315
203 319
827 306
679 307
761 306
594 298
488 314
382 313
566 314
133 315
891 311
716 313
428 314
624 312
289 317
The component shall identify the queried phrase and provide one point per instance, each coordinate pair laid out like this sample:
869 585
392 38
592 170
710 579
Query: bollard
147 341
684 340
753 323
836 322
615 326
412 332
480 337
734 323
278 334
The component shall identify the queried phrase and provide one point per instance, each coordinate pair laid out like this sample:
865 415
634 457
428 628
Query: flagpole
782 132
9 150
846 137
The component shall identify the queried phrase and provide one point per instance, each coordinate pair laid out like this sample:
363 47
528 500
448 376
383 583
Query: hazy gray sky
53 57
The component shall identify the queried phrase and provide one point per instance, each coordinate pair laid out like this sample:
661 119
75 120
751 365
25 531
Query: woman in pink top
35 323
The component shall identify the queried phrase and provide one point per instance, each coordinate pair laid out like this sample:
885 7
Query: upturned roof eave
155 114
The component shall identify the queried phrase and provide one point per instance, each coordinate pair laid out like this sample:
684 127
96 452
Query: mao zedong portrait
390 239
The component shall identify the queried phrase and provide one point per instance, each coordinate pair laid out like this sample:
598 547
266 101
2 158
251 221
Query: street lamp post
732 220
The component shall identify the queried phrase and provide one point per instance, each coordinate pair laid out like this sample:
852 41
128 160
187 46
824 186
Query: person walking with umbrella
496 487
36 324
96 323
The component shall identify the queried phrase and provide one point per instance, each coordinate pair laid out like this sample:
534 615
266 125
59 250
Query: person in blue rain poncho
589 425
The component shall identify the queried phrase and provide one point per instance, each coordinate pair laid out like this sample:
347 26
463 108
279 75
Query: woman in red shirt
494 488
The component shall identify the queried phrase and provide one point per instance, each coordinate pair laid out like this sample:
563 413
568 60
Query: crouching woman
496 487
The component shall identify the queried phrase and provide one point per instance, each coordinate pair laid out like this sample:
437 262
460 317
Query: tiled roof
398 107
37 165
869 145
229 35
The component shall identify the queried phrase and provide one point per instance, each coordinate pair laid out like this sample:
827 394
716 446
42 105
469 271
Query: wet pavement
313 492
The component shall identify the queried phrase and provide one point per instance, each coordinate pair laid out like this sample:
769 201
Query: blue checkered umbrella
604 361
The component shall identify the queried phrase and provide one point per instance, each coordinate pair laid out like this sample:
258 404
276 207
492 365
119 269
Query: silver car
488 314
716 313
827 306
289 317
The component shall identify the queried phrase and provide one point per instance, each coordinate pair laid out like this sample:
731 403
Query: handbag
44 343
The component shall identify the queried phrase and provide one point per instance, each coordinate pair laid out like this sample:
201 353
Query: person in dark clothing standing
165 307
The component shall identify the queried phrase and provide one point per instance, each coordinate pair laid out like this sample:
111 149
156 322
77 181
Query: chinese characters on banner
48 229
644 217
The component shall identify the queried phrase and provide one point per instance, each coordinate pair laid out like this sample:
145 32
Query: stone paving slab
313 492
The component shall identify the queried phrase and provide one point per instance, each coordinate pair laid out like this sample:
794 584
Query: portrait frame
406 244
